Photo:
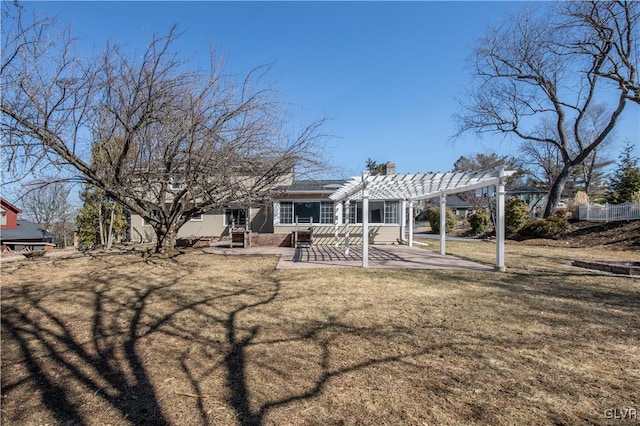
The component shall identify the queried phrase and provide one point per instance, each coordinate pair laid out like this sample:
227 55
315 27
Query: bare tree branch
165 142
549 67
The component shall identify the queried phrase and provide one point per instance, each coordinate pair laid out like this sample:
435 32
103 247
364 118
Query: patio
386 257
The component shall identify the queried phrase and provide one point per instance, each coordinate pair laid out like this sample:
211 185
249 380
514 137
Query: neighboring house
460 207
19 234
535 197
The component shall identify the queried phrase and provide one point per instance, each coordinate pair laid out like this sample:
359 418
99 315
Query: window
306 212
355 212
379 212
376 210
391 212
196 218
326 212
235 217
286 212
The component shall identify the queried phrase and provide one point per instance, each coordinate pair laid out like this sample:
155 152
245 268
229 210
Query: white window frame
326 212
286 211
196 218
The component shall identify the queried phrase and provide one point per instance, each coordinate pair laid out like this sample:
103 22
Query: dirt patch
611 235
206 339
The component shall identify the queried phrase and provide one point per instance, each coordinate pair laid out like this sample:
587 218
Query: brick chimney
389 168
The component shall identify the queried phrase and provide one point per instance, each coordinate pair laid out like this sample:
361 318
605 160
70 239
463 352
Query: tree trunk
555 193
170 240
165 240
101 225
160 237
111 219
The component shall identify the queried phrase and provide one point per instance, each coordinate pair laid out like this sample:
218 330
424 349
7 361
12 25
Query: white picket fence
609 212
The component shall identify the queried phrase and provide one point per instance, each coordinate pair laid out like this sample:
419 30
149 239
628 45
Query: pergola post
403 220
336 221
443 223
346 227
410 223
500 195
365 227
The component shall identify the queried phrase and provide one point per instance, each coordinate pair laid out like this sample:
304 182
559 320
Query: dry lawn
205 339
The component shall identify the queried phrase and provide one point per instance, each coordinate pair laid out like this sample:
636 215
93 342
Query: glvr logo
621 413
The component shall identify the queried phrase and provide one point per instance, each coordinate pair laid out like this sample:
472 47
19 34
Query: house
296 205
364 210
19 234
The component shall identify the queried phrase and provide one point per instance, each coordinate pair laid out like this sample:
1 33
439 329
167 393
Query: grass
205 339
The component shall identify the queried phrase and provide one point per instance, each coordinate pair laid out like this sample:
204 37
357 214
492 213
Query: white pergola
415 187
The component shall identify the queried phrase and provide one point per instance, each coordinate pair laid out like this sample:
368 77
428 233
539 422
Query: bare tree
555 67
545 160
46 202
171 143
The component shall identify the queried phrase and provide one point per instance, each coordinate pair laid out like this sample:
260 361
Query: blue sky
388 73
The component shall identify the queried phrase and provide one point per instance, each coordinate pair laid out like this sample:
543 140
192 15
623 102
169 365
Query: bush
516 214
581 199
551 227
480 222
434 219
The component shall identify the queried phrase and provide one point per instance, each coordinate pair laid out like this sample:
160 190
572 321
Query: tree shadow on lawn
100 356
95 350
581 302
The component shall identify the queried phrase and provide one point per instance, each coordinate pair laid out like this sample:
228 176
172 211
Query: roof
26 230
8 205
453 201
417 186
526 190
328 186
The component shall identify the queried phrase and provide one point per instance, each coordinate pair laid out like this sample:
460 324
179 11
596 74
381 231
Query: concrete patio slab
386 257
